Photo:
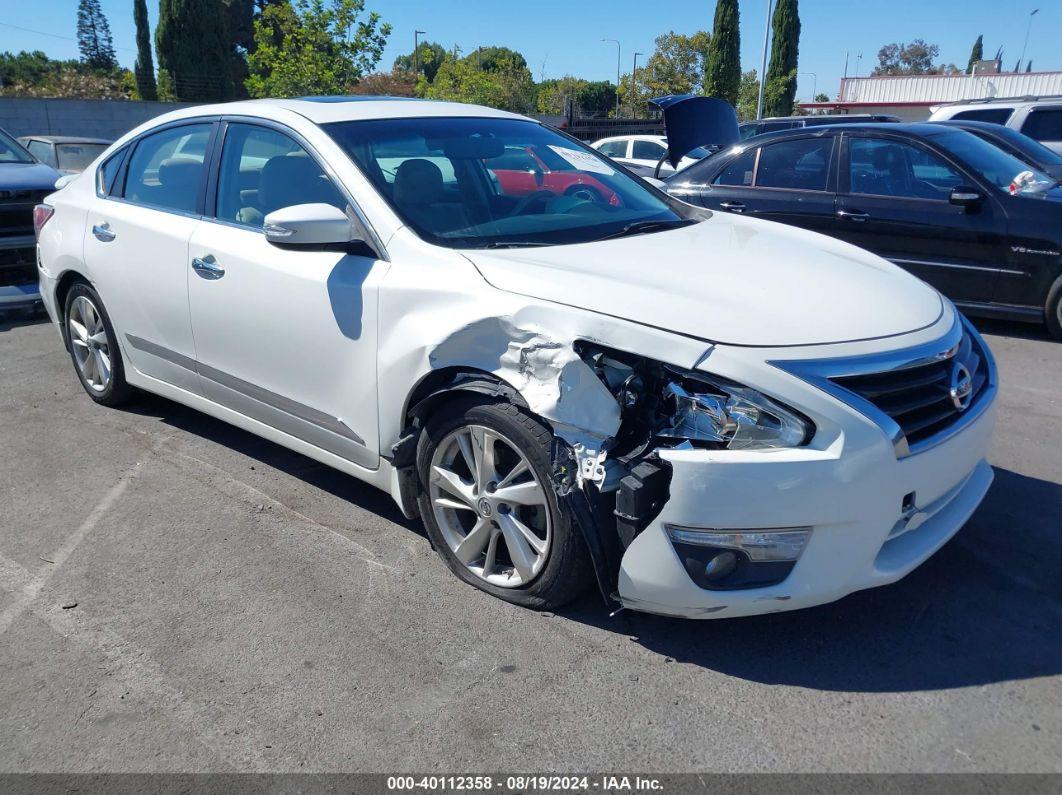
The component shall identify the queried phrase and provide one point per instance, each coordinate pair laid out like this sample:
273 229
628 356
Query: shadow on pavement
1010 328
17 318
986 608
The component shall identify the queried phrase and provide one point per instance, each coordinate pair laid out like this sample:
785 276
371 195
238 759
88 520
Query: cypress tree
144 69
782 68
94 36
193 46
723 73
976 54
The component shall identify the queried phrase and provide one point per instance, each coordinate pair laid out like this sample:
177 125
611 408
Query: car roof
65 139
914 129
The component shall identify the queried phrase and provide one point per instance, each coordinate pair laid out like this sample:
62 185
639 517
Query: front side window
166 169
647 150
1044 125
992 163
42 151
740 171
263 170
440 175
801 164
880 167
613 149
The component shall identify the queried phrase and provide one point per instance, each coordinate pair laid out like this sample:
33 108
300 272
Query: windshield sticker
584 161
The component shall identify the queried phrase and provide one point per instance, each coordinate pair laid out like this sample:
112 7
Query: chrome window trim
819 373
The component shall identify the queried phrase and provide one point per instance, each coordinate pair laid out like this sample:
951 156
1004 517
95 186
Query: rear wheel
94 347
1054 310
489 507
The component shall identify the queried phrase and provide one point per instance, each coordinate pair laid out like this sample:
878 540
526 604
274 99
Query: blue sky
564 36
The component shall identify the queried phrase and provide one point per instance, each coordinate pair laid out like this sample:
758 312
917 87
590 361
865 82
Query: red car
522 171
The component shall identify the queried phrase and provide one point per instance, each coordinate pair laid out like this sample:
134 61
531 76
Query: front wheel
490 510
1053 314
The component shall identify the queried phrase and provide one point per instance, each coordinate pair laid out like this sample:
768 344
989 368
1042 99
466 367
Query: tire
104 384
1053 310
564 571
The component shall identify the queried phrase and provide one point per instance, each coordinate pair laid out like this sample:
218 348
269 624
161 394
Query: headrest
288 180
418 181
180 172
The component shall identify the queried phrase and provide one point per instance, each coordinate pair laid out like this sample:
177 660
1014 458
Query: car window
108 173
993 115
160 177
775 126
647 150
613 148
1044 125
739 172
880 167
77 157
748 130
801 164
42 151
514 158
11 151
263 170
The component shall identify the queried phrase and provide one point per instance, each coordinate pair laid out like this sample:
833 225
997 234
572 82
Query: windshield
77 157
479 182
11 151
1000 168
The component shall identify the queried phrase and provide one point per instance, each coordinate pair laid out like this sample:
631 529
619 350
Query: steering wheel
531 198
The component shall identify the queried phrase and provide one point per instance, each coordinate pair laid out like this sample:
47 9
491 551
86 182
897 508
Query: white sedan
704 415
645 150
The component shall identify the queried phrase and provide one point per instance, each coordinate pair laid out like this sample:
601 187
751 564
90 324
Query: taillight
41 214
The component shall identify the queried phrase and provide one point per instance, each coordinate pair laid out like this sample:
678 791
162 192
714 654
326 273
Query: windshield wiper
514 244
641 227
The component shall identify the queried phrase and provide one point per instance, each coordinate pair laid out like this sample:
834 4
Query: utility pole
763 62
814 83
416 46
614 41
1028 28
634 84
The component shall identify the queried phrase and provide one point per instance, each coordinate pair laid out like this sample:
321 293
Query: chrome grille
918 398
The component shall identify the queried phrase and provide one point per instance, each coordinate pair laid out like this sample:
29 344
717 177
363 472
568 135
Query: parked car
1040 118
1018 144
23 183
67 153
707 415
939 202
645 151
526 171
778 123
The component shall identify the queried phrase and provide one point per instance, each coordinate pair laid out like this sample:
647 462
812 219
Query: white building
911 97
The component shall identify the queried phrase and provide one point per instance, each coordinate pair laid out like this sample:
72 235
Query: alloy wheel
490 506
88 340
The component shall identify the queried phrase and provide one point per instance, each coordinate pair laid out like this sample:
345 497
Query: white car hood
729 280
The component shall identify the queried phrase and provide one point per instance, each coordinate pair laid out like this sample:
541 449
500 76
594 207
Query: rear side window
647 150
42 151
739 172
802 164
1044 125
992 115
107 174
613 148
166 169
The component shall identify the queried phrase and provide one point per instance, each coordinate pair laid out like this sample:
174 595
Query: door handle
207 267
103 233
853 215
733 207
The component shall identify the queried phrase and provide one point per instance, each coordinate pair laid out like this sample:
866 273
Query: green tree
677 66
30 68
497 59
460 81
748 96
144 69
598 97
553 96
192 44
822 97
325 48
430 56
782 69
915 58
94 37
723 76
976 54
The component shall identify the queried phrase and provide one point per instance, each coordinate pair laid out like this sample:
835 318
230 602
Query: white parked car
707 415
645 150
1040 118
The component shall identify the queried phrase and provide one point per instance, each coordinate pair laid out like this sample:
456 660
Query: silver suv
1039 118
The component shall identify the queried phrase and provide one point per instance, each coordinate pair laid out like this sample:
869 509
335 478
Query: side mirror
656 183
310 226
963 196
64 180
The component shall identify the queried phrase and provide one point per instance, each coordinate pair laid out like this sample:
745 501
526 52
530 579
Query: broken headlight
700 408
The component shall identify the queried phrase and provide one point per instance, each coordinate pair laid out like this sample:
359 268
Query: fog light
734 559
760 545
720 566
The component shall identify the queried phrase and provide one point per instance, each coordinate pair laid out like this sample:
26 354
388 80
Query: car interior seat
418 192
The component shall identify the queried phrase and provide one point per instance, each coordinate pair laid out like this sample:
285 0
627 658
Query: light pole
634 83
614 41
814 83
763 62
416 46
1032 14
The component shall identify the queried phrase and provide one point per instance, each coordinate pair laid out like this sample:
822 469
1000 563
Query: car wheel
94 347
1053 314
490 510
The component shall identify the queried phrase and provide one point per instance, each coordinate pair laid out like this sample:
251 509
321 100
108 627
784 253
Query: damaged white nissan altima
572 378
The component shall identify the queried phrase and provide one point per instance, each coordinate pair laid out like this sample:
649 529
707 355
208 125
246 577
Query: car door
894 200
648 153
284 336
790 181
136 248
